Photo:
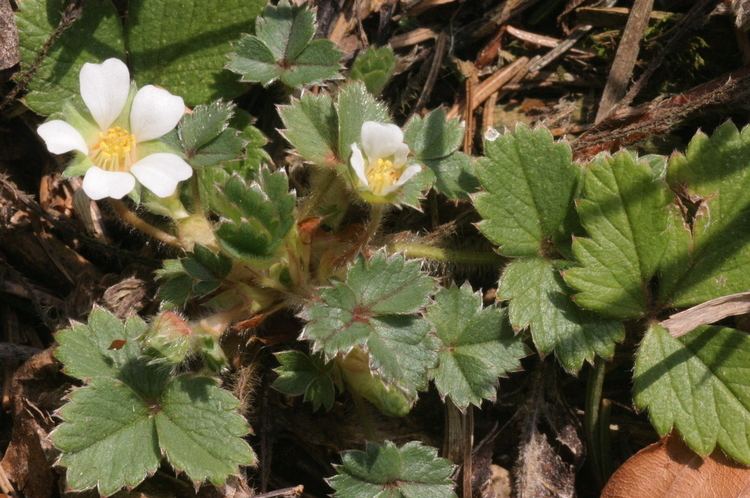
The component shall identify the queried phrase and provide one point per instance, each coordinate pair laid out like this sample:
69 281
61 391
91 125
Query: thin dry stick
286 492
709 312
139 223
491 85
435 65
625 58
696 16
469 114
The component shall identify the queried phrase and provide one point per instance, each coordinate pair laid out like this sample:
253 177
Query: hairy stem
593 420
426 251
139 223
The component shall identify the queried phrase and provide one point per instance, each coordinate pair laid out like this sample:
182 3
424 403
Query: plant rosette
381 166
116 142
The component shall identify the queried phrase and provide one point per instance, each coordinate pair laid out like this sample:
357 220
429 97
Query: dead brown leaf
669 469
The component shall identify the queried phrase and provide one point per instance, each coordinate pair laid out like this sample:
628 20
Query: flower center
382 174
115 149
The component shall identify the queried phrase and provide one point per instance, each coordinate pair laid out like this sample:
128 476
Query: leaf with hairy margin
476 346
697 384
624 212
538 300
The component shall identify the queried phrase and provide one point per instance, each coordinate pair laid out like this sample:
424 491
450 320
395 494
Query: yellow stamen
382 174
115 149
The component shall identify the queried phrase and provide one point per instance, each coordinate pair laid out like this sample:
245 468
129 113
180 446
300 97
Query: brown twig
491 85
711 311
286 492
435 64
625 58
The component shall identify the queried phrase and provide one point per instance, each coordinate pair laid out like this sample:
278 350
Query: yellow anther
115 149
381 174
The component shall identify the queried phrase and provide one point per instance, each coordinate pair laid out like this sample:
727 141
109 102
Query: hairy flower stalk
380 166
116 143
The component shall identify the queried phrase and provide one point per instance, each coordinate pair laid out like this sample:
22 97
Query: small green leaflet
257 216
374 67
312 128
375 308
713 261
198 274
387 471
283 48
353 107
529 181
170 46
697 384
624 212
476 346
205 138
301 374
95 36
136 405
538 300
99 348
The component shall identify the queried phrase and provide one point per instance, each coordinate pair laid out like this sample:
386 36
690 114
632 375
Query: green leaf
529 181
311 127
353 108
697 384
170 46
476 346
624 212
97 350
228 146
539 300
303 374
107 438
374 308
711 262
433 137
204 124
283 48
95 36
259 216
374 67
200 430
387 471
454 175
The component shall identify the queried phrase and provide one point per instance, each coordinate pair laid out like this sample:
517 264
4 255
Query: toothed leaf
301 374
374 67
311 127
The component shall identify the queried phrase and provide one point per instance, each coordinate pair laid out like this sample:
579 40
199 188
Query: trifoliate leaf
200 430
107 438
529 181
697 384
99 348
258 216
434 136
204 124
454 175
95 36
301 374
282 48
355 106
538 300
311 127
713 261
206 268
169 46
476 346
374 67
374 308
624 212
387 471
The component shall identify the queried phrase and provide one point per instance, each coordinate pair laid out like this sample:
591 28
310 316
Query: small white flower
113 150
380 165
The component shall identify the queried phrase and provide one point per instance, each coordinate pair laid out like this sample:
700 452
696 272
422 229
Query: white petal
99 183
104 89
154 113
161 172
380 140
399 156
358 164
407 175
61 137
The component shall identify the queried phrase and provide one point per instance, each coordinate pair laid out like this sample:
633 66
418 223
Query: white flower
112 145
382 169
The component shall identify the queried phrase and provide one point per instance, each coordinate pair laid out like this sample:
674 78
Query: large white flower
380 165
113 144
